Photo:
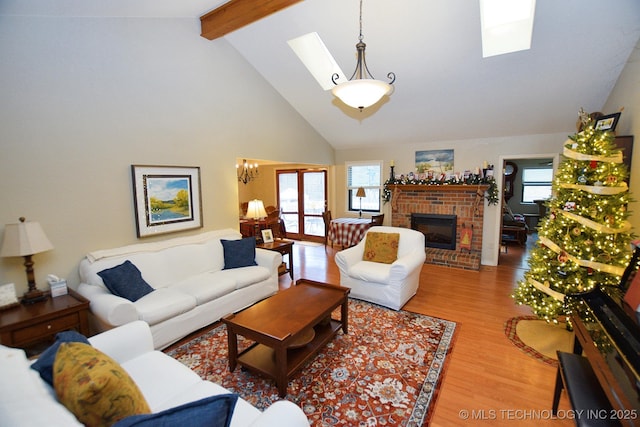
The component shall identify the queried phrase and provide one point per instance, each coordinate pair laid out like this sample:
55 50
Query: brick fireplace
466 202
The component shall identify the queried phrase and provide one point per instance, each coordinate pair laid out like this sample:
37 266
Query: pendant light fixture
246 172
362 90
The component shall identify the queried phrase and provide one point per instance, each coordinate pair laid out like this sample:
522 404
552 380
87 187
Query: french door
302 197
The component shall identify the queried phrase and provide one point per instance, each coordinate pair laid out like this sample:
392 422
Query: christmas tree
583 242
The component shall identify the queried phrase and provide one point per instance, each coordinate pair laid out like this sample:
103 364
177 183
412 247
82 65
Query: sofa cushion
145 371
125 280
239 253
163 304
244 276
381 247
206 287
213 411
94 387
44 364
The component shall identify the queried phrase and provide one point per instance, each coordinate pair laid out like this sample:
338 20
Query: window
536 184
367 175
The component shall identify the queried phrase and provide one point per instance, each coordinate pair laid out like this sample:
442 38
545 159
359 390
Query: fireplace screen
439 230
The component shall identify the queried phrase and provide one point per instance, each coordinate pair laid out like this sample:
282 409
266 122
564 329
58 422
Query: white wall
468 154
85 98
626 94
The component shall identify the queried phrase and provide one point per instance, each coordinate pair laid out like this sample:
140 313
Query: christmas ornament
563 257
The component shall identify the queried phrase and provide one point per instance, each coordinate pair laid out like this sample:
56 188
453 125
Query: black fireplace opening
439 230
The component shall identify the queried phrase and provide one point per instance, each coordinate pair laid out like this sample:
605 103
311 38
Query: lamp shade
361 93
24 238
256 209
361 192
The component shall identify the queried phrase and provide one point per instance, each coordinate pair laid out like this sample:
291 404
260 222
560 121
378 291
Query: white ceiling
444 89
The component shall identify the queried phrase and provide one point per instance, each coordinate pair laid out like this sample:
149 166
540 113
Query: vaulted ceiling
445 89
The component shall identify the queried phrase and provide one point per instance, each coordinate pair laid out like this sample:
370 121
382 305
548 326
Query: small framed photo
8 297
267 235
166 199
607 122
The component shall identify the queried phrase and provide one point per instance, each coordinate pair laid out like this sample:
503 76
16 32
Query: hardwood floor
487 376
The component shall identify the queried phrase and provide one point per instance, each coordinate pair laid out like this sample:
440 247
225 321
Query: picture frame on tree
608 122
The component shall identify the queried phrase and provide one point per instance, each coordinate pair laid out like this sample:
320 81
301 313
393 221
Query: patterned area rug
538 338
386 371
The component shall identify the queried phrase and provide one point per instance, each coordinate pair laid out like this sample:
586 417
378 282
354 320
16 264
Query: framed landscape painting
434 162
166 199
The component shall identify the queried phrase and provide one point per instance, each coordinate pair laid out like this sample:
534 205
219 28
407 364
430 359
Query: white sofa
191 288
27 400
390 285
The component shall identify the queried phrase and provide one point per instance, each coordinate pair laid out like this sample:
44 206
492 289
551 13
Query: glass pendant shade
362 90
361 93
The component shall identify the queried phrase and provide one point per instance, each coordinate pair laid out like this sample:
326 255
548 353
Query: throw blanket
164 244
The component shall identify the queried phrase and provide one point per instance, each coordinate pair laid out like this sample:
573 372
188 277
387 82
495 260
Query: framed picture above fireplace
438 162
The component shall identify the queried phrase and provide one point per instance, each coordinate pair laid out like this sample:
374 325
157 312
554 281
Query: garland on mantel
491 194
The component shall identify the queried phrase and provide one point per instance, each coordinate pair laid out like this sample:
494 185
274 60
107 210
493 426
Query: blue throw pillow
44 364
214 411
239 253
125 280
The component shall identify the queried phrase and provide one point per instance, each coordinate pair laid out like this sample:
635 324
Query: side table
24 326
283 246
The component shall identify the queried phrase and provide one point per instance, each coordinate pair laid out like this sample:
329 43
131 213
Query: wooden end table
25 325
277 323
283 246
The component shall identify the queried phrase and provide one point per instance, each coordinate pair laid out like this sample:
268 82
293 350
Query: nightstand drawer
45 329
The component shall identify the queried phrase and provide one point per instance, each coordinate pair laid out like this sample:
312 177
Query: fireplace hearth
439 230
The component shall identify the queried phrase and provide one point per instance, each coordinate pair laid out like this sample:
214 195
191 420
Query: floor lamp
360 194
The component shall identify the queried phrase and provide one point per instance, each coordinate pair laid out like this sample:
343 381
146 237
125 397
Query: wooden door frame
300 177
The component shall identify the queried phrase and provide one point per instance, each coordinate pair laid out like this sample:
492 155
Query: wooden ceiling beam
236 14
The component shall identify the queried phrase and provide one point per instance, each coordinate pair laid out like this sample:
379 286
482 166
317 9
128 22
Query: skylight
507 25
316 57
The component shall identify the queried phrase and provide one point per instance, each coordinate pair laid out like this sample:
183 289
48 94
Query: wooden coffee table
281 324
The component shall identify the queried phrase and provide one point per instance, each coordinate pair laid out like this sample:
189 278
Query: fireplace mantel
466 201
411 188
438 187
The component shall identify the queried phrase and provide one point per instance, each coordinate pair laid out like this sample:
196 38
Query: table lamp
256 211
360 194
25 239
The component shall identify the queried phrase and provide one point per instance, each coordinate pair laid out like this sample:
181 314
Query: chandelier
246 172
362 90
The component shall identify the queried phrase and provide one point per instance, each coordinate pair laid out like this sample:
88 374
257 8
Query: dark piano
608 334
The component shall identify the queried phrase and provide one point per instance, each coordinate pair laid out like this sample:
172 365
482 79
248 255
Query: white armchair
390 285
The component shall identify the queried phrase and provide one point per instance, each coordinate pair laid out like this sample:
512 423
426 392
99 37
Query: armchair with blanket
514 227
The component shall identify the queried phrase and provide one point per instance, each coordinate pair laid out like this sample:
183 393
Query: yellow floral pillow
94 387
381 247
